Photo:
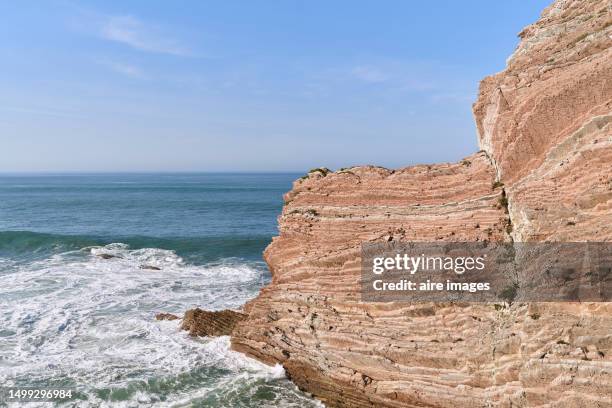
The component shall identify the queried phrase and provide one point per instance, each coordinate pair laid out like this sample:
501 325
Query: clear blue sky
245 85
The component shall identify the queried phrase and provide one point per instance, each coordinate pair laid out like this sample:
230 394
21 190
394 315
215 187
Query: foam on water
79 320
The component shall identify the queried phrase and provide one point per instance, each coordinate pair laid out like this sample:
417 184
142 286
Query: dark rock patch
200 322
166 316
150 267
107 256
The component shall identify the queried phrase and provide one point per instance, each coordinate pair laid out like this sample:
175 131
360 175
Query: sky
253 86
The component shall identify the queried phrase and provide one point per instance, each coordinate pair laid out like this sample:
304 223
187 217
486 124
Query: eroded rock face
350 353
546 123
200 322
545 133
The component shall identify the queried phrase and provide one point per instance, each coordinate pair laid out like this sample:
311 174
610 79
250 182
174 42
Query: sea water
71 318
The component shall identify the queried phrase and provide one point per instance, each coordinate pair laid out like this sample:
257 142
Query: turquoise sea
71 318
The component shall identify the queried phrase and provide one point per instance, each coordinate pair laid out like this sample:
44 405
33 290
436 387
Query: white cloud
122 68
134 33
369 74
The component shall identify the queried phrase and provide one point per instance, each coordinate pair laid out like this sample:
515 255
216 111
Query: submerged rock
166 316
204 323
150 267
106 256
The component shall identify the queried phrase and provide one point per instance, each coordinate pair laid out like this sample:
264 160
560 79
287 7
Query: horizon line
79 172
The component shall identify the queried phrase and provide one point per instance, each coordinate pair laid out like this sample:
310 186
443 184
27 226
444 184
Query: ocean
70 318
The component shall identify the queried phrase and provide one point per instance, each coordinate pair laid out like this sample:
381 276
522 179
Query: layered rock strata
543 174
200 322
545 121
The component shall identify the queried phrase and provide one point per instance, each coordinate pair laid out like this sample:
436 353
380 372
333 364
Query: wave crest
84 318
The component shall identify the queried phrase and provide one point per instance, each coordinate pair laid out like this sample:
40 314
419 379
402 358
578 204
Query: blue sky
245 85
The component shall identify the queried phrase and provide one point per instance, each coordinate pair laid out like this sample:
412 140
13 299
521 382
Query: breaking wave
26 245
83 316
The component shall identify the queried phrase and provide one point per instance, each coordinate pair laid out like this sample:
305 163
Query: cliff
544 127
545 123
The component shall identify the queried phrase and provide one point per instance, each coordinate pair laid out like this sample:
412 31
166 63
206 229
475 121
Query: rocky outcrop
200 322
311 319
546 123
166 316
543 174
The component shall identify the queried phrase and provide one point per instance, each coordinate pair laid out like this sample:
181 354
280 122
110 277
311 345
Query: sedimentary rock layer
200 322
310 318
546 120
544 126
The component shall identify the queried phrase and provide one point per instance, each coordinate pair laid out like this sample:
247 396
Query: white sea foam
79 319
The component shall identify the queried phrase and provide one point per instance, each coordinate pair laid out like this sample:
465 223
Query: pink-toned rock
350 353
544 127
546 123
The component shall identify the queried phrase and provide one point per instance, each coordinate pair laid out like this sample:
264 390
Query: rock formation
544 174
166 316
545 123
200 322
